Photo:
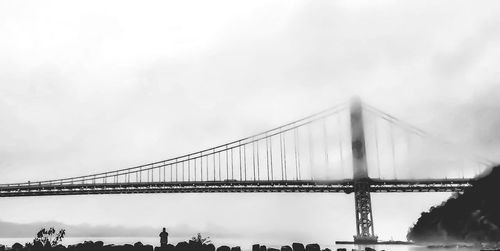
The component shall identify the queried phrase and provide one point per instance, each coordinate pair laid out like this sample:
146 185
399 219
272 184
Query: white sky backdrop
90 86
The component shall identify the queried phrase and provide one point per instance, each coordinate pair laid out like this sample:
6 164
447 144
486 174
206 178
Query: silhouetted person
163 238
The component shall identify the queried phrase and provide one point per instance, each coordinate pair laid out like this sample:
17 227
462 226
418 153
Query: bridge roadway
228 186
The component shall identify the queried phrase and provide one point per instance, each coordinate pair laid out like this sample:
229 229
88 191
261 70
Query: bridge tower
363 205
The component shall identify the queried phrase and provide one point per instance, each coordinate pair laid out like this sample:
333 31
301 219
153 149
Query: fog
92 86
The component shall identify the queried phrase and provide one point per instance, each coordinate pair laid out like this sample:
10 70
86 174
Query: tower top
355 101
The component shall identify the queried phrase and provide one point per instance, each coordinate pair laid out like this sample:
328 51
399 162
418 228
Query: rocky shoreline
181 246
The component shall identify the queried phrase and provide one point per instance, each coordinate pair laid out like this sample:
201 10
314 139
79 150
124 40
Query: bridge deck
297 186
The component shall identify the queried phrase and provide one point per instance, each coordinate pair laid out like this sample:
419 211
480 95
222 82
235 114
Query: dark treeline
181 246
472 216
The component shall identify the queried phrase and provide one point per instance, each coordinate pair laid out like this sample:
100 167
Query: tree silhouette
200 240
48 237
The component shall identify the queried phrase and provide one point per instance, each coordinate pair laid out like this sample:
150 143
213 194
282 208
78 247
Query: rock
170 247
341 249
128 247
2 247
286 248
17 246
237 248
255 247
99 244
138 244
105 247
327 249
182 246
272 249
313 247
263 248
209 247
299 247
223 248
369 249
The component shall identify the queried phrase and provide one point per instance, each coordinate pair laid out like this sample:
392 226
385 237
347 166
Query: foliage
48 237
200 240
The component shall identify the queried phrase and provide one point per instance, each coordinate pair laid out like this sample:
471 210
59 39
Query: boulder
209 247
59 247
286 248
255 247
313 247
223 248
170 247
237 248
299 247
99 244
182 246
127 247
263 248
17 246
108 247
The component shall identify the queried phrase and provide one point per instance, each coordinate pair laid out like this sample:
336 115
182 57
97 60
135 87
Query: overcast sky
90 86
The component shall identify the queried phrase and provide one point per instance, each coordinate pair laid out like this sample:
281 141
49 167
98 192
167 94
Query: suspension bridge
350 148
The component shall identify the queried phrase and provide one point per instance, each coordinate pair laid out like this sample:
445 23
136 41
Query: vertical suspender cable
311 156
281 157
253 160
227 163
377 148
295 143
258 161
213 158
206 166
245 160
232 164
284 154
220 179
325 141
239 155
393 151
341 150
297 153
267 157
271 155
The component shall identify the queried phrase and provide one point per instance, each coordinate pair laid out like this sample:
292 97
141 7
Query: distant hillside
471 216
9 229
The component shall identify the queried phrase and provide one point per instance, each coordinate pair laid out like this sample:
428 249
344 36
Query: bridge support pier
363 205
364 218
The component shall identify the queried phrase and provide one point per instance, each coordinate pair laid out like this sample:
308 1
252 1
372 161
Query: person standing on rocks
163 238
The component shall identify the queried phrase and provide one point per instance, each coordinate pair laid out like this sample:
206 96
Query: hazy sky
90 86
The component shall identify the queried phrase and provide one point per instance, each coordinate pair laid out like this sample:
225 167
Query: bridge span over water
350 148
